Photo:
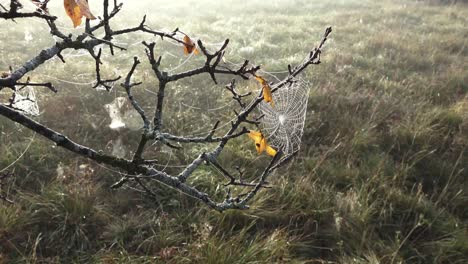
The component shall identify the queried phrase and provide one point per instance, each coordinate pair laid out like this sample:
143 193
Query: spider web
26 101
283 123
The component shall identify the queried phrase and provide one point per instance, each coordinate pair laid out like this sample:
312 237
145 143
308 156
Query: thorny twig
153 128
13 13
107 84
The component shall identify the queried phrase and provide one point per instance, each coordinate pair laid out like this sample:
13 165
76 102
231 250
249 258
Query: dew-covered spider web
283 122
25 101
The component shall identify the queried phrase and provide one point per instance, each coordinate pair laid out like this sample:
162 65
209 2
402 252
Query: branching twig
154 130
313 58
137 157
48 85
107 83
15 6
235 95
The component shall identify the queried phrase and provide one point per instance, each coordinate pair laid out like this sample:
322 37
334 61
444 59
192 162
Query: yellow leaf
255 135
261 146
270 151
76 9
189 46
266 89
258 138
261 143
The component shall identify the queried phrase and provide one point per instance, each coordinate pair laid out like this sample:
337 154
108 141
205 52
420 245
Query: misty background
380 178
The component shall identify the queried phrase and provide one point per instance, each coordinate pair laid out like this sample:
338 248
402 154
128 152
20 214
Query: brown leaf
76 9
189 46
84 8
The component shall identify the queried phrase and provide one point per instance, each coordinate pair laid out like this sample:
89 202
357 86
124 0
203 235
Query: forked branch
140 170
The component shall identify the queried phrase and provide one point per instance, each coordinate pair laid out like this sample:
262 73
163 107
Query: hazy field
381 176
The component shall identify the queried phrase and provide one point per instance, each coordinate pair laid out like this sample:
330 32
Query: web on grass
283 122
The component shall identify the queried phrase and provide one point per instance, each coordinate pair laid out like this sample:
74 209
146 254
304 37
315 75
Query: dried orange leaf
84 8
266 89
76 9
73 11
267 94
189 46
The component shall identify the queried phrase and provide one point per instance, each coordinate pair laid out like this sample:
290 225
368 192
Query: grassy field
381 176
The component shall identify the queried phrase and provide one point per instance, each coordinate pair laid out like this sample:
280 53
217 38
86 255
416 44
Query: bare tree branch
313 58
146 123
109 83
61 140
13 13
140 170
